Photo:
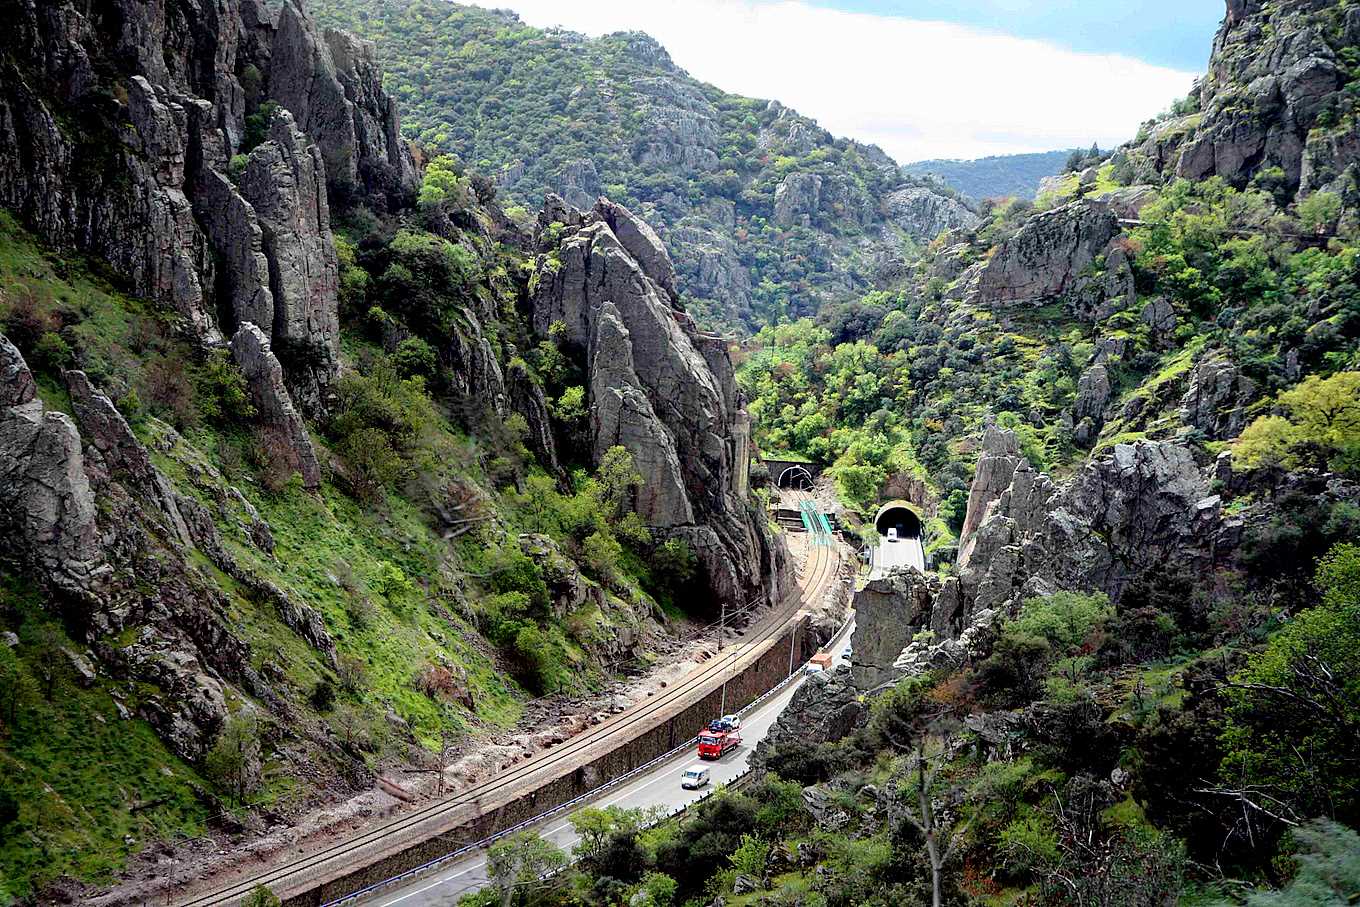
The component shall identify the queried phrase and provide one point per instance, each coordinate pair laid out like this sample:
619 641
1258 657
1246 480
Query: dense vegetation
1000 176
549 110
896 384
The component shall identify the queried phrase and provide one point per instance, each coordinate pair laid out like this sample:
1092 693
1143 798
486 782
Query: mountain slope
764 212
1000 176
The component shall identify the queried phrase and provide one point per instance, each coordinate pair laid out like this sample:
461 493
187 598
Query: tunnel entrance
898 515
795 477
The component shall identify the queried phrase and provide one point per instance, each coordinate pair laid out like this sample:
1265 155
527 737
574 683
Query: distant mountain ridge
766 214
993 177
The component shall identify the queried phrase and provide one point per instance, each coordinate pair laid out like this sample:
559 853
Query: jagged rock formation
526 398
889 610
824 709
1123 514
1052 258
996 467
116 133
47 510
659 388
1274 96
1088 410
274 408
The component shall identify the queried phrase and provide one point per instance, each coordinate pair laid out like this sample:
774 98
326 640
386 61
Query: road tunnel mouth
897 515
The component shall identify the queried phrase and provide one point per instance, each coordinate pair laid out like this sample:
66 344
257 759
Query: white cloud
918 89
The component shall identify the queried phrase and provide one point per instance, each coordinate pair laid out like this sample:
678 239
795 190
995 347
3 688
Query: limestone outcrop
660 388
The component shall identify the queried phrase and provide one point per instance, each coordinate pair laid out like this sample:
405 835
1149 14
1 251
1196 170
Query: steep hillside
768 216
1001 176
302 483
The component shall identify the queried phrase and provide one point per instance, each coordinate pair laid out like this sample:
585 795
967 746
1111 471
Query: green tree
234 761
1329 869
1323 427
619 480
1294 711
521 863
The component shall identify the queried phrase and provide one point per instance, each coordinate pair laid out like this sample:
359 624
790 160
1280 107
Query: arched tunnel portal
795 477
902 516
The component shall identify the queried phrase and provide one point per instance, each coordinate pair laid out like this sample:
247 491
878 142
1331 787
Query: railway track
405 830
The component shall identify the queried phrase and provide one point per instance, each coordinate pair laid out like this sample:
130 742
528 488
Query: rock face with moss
119 131
1275 98
659 388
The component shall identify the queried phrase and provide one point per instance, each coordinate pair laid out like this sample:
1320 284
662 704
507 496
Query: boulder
274 407
1053 258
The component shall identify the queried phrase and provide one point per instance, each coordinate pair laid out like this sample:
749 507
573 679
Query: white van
892 534
694 777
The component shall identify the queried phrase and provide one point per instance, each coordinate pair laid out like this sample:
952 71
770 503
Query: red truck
721 735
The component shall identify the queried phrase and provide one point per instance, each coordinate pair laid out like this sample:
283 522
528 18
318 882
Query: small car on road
695 777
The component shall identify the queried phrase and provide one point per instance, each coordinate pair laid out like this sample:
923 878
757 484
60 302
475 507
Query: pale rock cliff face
661 389
117 125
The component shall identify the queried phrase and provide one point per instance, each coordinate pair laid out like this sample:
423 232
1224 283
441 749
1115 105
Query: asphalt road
906 552
659 787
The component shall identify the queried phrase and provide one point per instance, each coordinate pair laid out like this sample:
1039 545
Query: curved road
659 787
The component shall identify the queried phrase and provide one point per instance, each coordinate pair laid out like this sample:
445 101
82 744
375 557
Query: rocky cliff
659 387
193 147
1141 512
1277 96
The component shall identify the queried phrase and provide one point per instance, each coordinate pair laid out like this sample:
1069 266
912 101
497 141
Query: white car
892 534
694 777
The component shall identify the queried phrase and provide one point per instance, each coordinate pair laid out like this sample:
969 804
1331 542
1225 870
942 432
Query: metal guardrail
577 801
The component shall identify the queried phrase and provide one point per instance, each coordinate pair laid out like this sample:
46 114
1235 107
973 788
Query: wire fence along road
426 822
655 785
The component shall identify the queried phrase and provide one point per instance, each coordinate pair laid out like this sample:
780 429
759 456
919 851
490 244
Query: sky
929 78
